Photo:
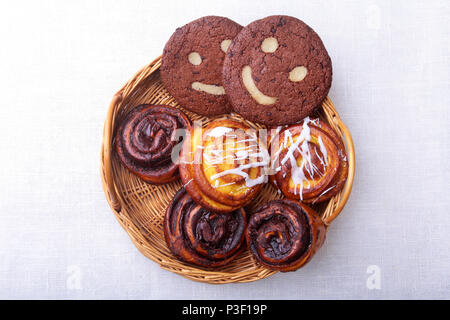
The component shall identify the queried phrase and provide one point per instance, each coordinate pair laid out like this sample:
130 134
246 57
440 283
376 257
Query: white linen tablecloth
60 64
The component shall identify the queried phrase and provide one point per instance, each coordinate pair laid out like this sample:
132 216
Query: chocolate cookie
276 71
191 68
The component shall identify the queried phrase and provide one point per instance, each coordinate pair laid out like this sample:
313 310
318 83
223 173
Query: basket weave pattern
139 207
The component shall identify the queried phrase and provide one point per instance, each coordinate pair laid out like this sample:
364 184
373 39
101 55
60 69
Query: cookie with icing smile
191 67
277 71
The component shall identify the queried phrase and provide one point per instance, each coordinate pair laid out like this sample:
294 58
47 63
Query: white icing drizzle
218 132
241 154
217 184
323 193
301 145
321 158
249 182
244 140
216 155
238 154
187 183
323 150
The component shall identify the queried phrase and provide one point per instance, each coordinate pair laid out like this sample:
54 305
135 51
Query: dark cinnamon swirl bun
284 234
202 237
146 138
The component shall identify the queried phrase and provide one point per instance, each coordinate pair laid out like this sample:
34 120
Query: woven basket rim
118 206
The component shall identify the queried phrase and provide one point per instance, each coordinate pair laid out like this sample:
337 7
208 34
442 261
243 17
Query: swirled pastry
223 165
309 161
201 237
145 140
284 234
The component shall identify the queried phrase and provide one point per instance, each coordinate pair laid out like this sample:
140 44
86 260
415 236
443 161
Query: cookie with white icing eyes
277 71
191 68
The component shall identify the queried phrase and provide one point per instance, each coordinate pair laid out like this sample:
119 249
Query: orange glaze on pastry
284 234
223 165
309 161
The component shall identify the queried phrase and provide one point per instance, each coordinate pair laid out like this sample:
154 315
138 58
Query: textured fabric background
60 64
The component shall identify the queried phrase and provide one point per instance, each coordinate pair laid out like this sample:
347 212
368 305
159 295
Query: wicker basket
139 207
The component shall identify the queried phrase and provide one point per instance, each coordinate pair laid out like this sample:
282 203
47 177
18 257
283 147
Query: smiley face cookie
277 71
191 68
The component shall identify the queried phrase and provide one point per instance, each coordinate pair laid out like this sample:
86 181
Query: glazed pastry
201 237
223 165
284 234
145 139
308 161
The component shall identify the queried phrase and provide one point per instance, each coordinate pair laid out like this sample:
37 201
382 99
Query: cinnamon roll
308 161
223 166
145 140
284 234
201 237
